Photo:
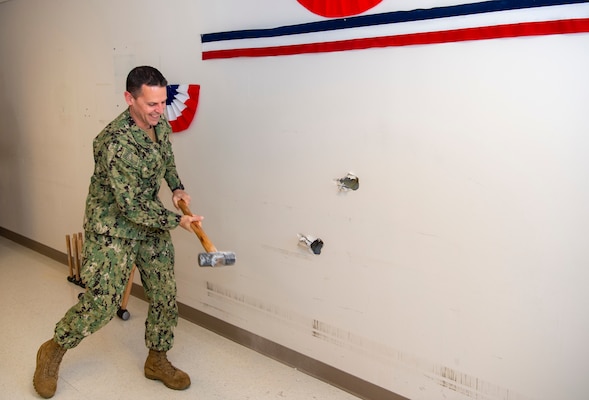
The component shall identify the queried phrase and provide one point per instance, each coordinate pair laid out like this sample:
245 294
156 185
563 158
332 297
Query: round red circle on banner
338 8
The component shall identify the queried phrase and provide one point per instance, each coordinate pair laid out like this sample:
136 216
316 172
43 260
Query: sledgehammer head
218 257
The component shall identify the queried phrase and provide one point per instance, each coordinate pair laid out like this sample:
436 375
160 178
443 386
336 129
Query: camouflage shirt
123 196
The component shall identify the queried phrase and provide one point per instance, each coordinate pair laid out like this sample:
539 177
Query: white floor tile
34 295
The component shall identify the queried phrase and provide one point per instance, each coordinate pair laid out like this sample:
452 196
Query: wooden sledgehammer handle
200 233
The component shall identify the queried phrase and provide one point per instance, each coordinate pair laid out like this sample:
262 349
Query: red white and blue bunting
181 105
455 23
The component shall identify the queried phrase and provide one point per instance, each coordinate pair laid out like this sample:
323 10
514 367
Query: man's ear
129 98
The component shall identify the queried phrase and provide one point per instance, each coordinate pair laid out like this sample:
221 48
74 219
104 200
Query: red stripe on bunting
458 35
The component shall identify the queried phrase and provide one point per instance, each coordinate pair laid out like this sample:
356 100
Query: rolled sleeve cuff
179 186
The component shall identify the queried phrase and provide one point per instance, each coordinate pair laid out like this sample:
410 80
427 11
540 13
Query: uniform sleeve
136 200
171 175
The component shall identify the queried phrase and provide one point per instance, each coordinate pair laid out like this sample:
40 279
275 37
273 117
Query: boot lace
164 365
52 367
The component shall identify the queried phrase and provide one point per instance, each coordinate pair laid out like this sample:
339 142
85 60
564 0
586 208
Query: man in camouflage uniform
126 224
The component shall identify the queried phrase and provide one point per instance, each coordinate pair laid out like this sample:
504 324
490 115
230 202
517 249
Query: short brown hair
144 75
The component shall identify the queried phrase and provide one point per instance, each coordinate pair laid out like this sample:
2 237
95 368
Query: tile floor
34 295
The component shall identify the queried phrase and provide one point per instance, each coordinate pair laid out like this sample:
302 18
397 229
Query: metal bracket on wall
313 244
348 182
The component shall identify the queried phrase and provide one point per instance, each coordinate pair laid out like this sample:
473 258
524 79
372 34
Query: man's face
147 108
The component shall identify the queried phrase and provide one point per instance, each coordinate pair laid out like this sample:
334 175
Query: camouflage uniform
126 224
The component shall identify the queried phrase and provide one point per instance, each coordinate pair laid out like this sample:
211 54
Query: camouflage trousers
106 268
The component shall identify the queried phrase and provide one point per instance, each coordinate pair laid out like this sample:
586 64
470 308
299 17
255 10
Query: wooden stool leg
80 240
68 244
76 258
123 313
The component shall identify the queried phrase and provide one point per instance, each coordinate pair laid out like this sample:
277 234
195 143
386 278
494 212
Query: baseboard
317 369
33 245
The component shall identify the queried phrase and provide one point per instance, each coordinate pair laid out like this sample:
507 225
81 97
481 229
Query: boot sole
157 378
45 396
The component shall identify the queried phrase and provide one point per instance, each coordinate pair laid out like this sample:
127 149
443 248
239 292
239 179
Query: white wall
461 259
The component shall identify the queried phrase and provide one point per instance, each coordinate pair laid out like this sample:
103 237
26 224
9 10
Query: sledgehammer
212 256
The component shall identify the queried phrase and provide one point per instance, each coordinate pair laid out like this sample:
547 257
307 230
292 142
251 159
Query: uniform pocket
147 164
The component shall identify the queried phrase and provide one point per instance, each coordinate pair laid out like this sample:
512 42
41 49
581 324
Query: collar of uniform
139 134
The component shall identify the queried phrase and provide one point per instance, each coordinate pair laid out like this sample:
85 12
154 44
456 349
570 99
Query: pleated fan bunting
181 105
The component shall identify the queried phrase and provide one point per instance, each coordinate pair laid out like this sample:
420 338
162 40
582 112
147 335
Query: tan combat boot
157 367
48 359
